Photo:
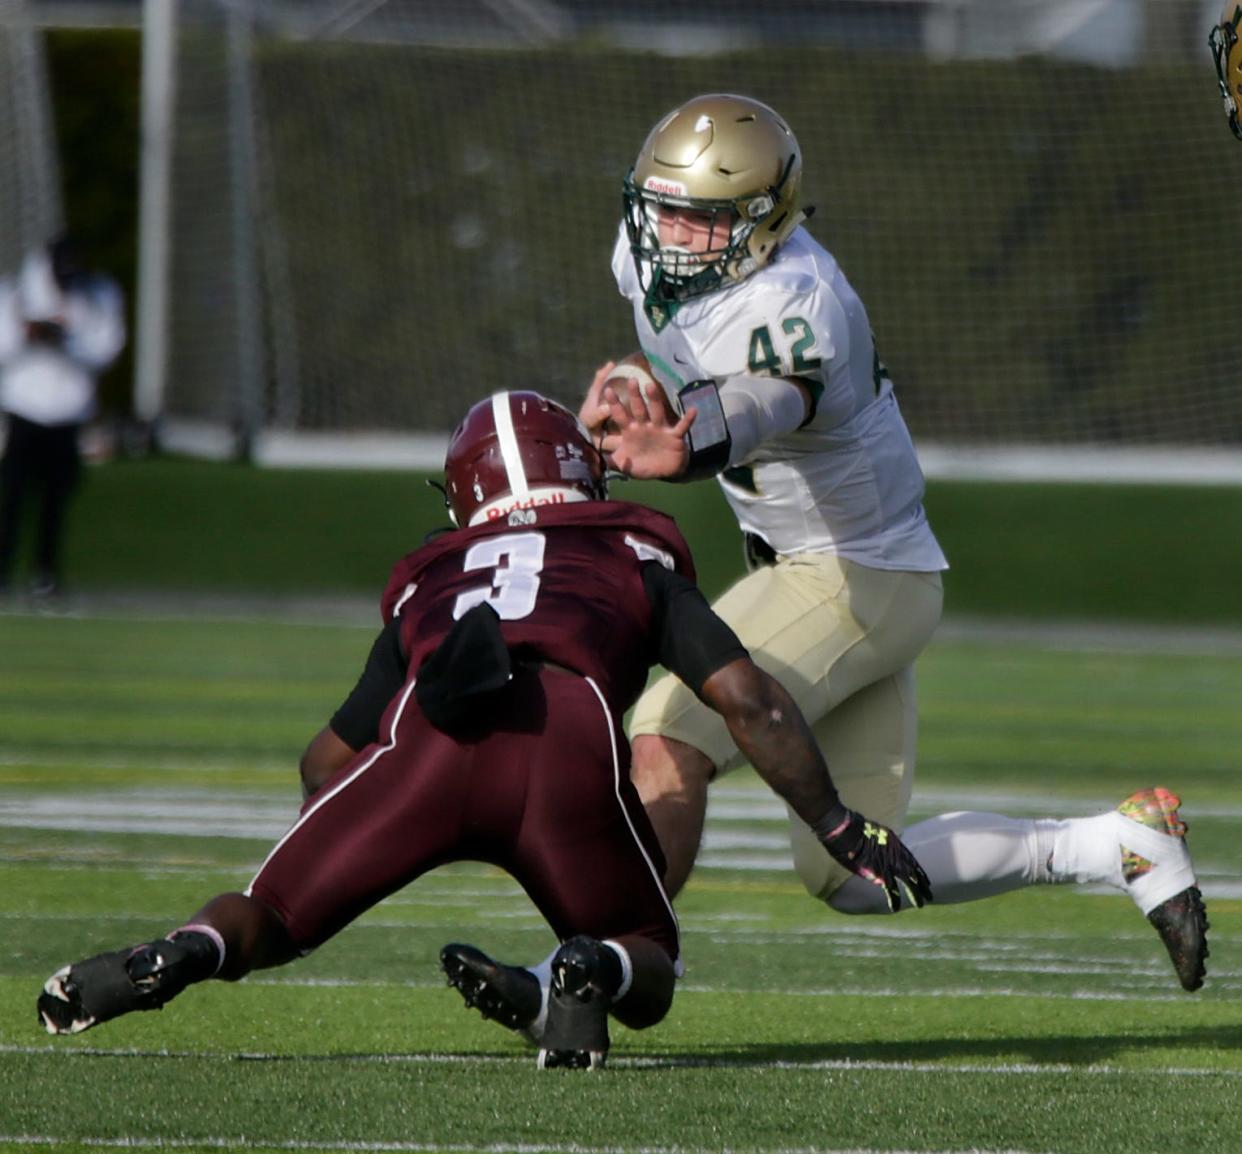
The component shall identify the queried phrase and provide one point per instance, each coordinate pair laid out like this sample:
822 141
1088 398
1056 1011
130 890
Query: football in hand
636 370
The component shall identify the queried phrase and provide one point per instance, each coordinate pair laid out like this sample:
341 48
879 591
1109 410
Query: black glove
874 852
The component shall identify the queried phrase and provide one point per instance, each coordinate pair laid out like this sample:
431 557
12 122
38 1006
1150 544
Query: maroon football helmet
516 451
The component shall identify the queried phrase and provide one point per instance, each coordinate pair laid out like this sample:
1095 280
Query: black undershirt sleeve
694 642
356 722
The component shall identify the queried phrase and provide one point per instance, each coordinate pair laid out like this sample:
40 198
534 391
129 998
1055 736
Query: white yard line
745 831
1015 1069
19 1141
257 813
362 612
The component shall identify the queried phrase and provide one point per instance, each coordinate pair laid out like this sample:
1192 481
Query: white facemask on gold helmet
725 156
1227 52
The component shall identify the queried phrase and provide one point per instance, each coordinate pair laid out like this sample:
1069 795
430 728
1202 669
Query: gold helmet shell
1226 43
722 154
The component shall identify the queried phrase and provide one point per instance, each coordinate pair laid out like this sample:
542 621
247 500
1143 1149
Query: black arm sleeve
694 642
356 722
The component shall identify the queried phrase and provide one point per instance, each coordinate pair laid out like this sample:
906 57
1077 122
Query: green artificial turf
1107 552
1045 1021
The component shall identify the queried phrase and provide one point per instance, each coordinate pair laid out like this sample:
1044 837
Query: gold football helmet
735 161
1227 52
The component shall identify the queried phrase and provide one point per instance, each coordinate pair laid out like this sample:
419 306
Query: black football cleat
104 987
509 995
1160 877
586 975
1182 924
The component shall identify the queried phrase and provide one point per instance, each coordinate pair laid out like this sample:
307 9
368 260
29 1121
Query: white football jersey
848 481
56 386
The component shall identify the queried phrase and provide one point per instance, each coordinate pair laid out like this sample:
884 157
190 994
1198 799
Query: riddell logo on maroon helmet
535 499
557 498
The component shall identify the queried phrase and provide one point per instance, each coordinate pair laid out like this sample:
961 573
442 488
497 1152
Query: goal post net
383 211
30 202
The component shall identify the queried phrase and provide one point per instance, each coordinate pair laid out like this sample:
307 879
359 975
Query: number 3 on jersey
516 560
763 360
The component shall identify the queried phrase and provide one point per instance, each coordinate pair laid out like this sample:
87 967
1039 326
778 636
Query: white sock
543 972
1086 849
627 968
966 856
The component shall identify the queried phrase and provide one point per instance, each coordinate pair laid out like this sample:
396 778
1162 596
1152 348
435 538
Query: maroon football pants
539 785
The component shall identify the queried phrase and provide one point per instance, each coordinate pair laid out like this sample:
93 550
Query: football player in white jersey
758 368
744 317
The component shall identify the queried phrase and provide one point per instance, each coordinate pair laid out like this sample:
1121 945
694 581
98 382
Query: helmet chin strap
680 261
750 261
440 488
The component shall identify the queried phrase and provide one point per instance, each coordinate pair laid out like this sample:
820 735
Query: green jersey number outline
763 360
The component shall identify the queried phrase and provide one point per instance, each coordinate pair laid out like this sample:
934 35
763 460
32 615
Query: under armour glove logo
874 852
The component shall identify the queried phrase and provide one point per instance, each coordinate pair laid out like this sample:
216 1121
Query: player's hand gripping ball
630 379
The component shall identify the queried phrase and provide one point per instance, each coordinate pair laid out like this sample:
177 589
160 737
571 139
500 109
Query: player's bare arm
773 734
323 756
355 724
767 726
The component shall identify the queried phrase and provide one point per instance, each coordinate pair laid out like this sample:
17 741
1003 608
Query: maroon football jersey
565 580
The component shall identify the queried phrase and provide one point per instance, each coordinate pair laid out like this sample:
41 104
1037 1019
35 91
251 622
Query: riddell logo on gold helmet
669 187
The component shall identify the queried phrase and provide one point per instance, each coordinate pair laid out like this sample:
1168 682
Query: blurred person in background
61 325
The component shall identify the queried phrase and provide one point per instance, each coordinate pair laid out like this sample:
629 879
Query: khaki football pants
842 638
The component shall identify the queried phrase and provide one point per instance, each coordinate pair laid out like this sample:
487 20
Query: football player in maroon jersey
487 725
